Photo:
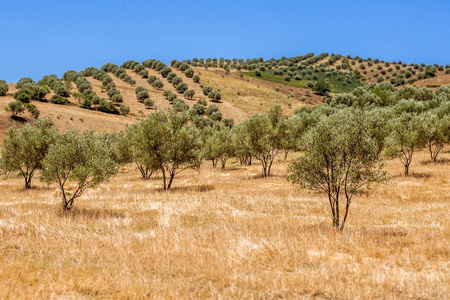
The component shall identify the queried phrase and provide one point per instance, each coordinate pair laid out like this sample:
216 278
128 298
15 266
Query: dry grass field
228 234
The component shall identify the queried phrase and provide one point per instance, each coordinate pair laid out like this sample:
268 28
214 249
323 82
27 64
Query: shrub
144 73
24 81
158 84
15 108
117 98
181 87
321 87
142 95
189 73
151 79
124 110
3 88
196 78
149 103
189 94
55 99
215 96
206 90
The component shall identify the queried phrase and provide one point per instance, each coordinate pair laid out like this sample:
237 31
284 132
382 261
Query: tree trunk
164 177
27 182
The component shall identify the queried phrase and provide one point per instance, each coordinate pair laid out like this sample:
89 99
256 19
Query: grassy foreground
228 234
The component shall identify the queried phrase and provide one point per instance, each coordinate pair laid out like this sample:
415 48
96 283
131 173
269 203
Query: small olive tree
340 157
405 137
84 159
264 141
23 150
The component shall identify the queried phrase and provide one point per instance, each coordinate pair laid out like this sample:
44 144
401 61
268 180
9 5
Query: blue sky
49 37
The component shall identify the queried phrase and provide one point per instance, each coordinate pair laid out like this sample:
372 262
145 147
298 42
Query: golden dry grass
228 235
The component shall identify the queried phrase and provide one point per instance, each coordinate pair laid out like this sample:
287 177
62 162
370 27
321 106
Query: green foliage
3 88
23 150
339 158
23 81
189 94
196 78
142 95
149 103
158 84
124 110
84 159
321 88
15 108
189 73
168 142
215 96
206 90
181 87
406 136
56 99
263 140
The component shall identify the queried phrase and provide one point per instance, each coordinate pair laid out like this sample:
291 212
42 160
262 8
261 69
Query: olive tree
340 157
435 133
264 141
172 143
4 87
158 84
84 159
405 137
24 149
189 94
15 108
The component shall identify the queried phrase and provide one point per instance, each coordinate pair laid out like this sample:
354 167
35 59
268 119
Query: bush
215 96
196 78
144 73
151 79
124 110
172 97
15 108
310 84
189 94
142 95
189 73
176 81
206 90
149 103
158 84
55 99
117 98
321 87
3 88
258 73
23 81
181 87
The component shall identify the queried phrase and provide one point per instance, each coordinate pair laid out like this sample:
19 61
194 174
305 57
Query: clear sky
49 37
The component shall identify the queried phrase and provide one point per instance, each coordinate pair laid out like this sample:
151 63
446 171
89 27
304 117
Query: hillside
241 97
246 87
